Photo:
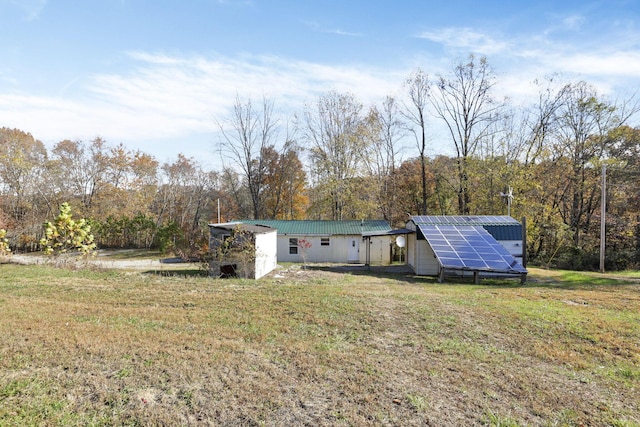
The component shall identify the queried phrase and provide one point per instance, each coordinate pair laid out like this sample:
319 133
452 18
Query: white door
353 251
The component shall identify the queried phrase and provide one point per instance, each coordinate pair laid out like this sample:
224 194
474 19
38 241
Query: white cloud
162 97
573 22
340 32
467 39
612 65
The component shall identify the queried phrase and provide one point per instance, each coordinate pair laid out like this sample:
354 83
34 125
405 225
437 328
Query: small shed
465 245
243 250
332 241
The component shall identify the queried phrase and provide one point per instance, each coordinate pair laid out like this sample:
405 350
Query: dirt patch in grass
317 346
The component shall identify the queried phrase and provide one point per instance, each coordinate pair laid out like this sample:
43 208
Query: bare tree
385 153
465 104
245 134
418 87
335 135
82 169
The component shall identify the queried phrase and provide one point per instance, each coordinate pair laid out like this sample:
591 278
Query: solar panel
469 248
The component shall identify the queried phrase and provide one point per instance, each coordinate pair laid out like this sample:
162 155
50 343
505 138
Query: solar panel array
469 248
464 220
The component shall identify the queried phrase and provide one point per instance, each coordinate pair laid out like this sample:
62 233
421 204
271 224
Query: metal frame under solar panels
469 248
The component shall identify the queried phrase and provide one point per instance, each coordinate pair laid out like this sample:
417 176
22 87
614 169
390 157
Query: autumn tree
384 155
623 199
22 184
80 170
183 202
235 201
464 102
585 121
285 183
336 143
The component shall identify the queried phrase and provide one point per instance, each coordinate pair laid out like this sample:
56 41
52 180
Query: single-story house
465 245
243 250
348 241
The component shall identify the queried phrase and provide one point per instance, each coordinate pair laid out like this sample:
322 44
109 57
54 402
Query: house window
324 241
293 246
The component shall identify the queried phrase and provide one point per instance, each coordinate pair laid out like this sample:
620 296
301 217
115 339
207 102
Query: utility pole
603 212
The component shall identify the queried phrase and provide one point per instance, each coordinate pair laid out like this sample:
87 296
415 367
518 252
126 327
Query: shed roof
464 220
253 228
323 227
502 228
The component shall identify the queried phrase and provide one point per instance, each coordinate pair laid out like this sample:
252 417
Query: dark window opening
228 270
293 246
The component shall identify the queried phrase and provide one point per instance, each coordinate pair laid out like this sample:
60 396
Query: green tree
4 243
65 234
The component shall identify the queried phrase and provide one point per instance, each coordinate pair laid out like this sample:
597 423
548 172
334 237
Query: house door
353 254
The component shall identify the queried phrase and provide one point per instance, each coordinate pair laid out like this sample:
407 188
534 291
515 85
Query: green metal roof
311 227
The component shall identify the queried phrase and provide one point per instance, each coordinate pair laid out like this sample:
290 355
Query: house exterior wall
379 250
337 251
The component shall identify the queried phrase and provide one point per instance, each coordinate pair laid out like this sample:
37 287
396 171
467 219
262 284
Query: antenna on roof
509 197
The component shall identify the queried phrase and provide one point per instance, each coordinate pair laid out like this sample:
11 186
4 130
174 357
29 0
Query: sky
158 75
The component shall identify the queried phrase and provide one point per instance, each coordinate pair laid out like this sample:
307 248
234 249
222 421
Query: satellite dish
400 241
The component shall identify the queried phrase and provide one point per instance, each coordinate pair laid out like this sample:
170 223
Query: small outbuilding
466 245
242 250
348 241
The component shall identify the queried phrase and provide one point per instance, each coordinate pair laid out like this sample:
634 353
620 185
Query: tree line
338 159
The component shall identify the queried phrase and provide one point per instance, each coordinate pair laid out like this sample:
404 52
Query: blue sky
155 75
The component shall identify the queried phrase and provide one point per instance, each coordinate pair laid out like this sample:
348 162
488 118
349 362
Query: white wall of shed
514 247
266 253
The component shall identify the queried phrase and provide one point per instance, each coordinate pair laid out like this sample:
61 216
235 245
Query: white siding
336 251
514 247
379 250
266 253
411 246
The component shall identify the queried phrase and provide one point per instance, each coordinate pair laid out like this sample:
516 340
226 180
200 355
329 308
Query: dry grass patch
315 348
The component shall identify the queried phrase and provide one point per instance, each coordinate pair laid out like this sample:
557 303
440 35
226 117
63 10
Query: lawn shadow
536 279
177 273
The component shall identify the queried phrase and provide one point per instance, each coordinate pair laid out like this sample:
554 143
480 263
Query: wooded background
338 159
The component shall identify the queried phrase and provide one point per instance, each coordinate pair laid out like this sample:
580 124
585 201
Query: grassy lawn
317 347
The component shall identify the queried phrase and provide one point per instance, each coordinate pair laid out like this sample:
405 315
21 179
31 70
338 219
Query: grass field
316 347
